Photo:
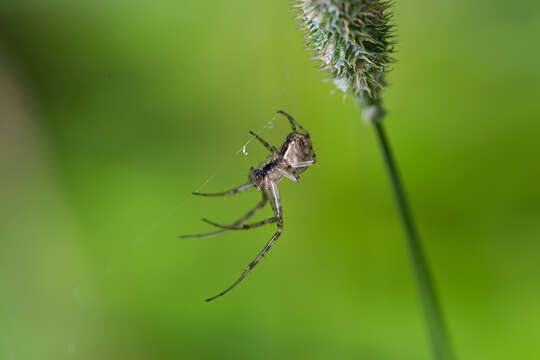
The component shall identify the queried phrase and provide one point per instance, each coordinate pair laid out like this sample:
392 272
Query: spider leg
276 205
291 120
252 212
208 234
229 192
242 227
250 266
313 155
302 164
289 176
266 144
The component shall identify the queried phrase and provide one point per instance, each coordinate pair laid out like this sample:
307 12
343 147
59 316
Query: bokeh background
112 112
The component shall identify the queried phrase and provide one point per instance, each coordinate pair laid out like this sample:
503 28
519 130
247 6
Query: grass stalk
430 305
354 40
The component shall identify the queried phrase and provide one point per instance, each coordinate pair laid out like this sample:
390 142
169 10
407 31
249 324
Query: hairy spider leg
294 124
276 206
240 221
289 176
229 192
302 164
244 226
291 120
298 165
265 143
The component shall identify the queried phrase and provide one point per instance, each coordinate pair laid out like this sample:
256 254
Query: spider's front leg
288 172
265 143
273 194
302 164
293 122
288 175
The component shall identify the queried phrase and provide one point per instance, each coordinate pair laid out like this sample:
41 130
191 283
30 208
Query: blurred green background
112 112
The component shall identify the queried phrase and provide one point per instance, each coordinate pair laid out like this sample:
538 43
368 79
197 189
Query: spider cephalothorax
294 157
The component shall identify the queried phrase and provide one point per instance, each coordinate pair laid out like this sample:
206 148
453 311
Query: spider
293 158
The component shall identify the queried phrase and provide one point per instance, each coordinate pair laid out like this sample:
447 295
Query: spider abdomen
296 149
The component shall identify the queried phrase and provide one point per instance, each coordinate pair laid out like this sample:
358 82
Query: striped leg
242 227
276 205
265 143
228 192
240 221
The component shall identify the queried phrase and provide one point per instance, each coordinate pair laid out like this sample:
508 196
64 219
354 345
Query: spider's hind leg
273 194
238 222
240 226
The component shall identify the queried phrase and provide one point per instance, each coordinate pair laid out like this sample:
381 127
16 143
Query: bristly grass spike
353 39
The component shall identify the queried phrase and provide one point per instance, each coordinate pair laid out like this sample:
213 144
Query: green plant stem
432 312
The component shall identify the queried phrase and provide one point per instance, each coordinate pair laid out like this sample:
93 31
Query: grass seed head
353 40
